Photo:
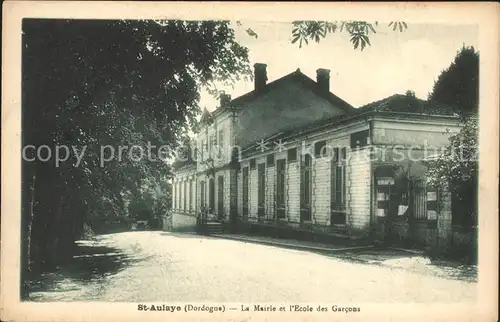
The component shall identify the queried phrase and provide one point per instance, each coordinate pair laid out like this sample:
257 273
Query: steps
214 227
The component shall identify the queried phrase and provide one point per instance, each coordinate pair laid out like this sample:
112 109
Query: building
292 154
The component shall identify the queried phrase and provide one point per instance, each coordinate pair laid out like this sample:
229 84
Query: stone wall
321 191
444 228
288 106
183 222
359 189
270 191
292 191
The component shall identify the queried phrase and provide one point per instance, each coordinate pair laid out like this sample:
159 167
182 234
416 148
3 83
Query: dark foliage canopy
458 85
88 84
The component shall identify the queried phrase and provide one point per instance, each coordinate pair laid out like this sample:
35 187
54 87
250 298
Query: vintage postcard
249 161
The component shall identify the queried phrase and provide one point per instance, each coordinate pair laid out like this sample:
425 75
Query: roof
180 164
185 159
205 116
409 104
297 76
395 105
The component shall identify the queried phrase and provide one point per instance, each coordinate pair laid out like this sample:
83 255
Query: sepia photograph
242 165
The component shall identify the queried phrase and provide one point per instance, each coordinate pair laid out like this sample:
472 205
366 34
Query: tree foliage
97 83
458 86
359 31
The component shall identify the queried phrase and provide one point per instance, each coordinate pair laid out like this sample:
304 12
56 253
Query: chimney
224 99
323 79
260 75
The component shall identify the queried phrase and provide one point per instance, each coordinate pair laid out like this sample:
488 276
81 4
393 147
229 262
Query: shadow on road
91 264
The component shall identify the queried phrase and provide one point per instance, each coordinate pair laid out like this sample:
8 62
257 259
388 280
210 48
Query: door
220 197
392 206
305 189
261 200
245 193
211 195
202 195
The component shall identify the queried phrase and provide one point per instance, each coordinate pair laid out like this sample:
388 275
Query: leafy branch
359 31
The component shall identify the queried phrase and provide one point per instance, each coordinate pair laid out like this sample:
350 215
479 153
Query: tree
458 86
99 83
458 167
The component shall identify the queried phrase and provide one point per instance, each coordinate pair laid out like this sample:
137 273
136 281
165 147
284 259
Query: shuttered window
280 188
245 193
338 179
306 189
261 184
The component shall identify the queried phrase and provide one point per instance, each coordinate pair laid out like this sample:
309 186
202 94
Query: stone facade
297 112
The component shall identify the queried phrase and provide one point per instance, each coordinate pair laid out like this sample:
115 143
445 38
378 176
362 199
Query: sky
394 63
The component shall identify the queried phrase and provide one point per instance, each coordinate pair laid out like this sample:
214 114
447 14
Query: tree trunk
26 241
30 224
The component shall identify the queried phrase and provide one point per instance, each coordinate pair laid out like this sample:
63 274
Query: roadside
394 258
290 243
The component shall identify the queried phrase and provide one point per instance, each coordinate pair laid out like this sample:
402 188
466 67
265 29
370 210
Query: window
245 193
213 144
252 164
292 155
202 150
305 189
320 149
338 186
221 143
419 200
360 139
261 184
270 160
280 188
